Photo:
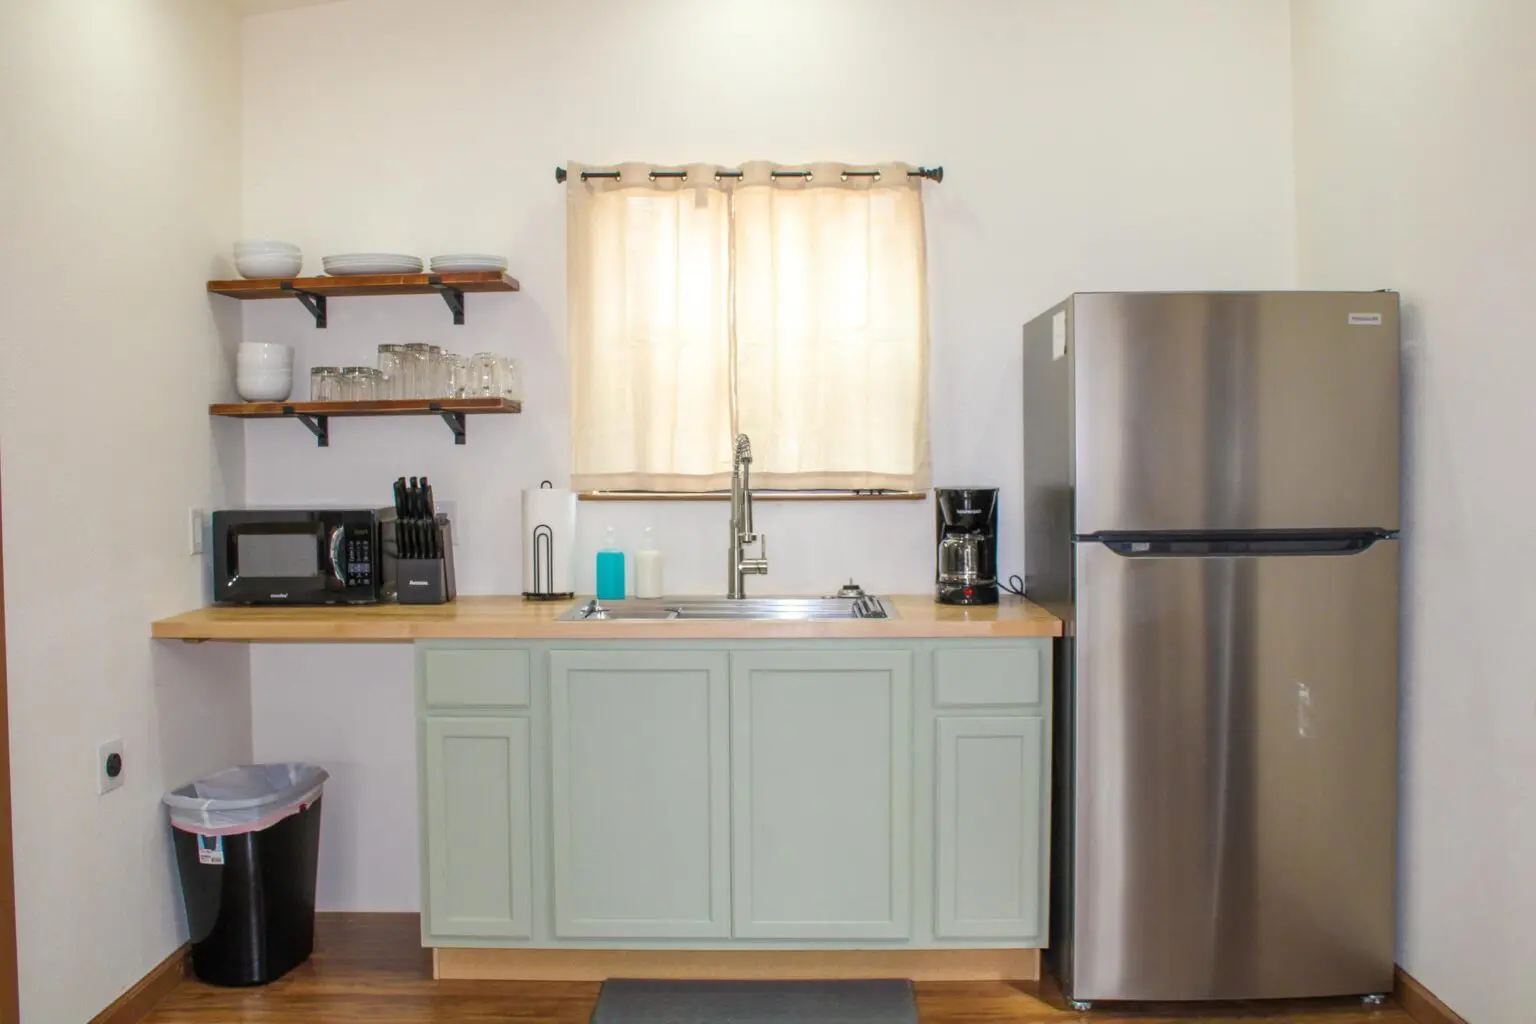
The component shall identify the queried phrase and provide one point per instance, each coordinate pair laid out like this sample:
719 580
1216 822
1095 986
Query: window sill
756 496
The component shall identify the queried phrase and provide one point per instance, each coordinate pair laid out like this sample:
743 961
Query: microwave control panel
357 552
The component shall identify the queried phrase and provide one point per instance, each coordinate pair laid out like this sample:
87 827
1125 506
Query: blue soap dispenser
610 569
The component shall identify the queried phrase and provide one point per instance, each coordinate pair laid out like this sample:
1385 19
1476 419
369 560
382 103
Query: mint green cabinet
479 836
990 806
800 794
821 794
640 789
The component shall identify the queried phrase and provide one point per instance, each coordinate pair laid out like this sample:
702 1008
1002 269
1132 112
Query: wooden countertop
512 618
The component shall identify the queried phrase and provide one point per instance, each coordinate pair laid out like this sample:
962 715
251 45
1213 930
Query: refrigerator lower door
1234 773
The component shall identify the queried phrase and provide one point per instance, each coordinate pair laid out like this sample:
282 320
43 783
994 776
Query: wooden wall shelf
314 291
317 415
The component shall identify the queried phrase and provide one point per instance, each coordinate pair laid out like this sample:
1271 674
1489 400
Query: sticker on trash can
210 849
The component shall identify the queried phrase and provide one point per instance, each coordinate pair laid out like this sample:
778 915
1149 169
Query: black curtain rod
934 174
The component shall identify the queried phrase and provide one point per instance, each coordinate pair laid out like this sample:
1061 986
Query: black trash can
247 848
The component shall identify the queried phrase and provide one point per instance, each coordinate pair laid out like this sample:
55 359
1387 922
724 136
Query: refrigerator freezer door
1241 410
1234 778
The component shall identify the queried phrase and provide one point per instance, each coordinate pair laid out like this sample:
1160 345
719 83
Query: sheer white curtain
789 308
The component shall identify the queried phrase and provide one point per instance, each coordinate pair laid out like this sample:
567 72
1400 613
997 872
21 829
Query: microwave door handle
336 568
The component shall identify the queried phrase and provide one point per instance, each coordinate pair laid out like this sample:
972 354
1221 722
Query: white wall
119 179
1416 157
1087 144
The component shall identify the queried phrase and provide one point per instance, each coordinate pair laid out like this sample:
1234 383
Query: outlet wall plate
196 518
106 781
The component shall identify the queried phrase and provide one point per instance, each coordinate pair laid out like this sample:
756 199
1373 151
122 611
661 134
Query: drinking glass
325 384
438 374
358 383
485 375
418 372
392 370
458 375
511 380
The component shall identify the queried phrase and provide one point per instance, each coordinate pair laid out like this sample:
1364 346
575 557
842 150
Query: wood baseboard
134 1005
600 964
1420 1003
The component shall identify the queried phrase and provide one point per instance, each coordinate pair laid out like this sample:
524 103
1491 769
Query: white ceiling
249 7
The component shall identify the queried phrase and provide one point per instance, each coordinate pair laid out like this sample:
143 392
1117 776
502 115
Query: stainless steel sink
681 608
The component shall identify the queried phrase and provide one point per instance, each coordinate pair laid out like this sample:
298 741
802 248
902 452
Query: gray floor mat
626 1001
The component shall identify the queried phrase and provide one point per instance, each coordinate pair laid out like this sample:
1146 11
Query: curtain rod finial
560 175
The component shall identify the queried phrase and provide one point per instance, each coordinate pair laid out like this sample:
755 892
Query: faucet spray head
743 448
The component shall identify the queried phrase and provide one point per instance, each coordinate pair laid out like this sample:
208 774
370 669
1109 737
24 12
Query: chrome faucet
741 522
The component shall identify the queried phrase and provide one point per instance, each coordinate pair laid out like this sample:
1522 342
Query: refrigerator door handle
1239 544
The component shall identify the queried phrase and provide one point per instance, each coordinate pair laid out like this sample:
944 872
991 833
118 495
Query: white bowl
263 378
259 355
245 254
264 347
267 265
264 387
265 373
262 245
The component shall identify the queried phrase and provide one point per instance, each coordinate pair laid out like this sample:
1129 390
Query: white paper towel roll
549 541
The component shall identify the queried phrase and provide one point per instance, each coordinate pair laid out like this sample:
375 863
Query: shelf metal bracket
313 301
451 295
320 426
456 422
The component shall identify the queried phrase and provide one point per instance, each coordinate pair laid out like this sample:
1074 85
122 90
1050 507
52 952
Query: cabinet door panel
479 845
641 790
821 782
990 802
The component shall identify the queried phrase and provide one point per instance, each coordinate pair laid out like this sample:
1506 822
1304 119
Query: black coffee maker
966 523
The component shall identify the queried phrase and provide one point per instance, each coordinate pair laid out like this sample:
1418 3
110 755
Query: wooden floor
370 967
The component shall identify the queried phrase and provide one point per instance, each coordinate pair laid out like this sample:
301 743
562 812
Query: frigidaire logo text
278 597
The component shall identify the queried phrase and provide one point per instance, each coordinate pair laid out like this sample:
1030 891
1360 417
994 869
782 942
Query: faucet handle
757 566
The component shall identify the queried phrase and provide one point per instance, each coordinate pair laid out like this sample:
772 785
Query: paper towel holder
543 555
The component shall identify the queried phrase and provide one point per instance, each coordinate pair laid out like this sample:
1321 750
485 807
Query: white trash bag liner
249 798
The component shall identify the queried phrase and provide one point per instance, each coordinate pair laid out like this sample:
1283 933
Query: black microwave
300 556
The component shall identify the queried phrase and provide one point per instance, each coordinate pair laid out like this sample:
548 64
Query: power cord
1014 585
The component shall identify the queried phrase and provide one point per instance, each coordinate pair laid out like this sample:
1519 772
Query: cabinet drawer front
475 677
989 676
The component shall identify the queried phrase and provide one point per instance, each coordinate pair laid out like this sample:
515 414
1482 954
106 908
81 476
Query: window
790 309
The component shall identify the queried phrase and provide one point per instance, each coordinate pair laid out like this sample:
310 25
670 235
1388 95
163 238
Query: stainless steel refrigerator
1211 500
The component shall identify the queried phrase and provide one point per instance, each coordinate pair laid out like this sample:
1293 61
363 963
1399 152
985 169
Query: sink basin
681 608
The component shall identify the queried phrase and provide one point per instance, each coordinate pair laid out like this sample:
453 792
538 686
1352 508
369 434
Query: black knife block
424 580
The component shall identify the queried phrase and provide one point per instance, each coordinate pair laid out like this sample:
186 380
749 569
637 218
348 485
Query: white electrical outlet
451 510
109 766
195 519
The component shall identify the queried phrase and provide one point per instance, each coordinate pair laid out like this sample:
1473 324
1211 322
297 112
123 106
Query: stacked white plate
370 263
465 262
